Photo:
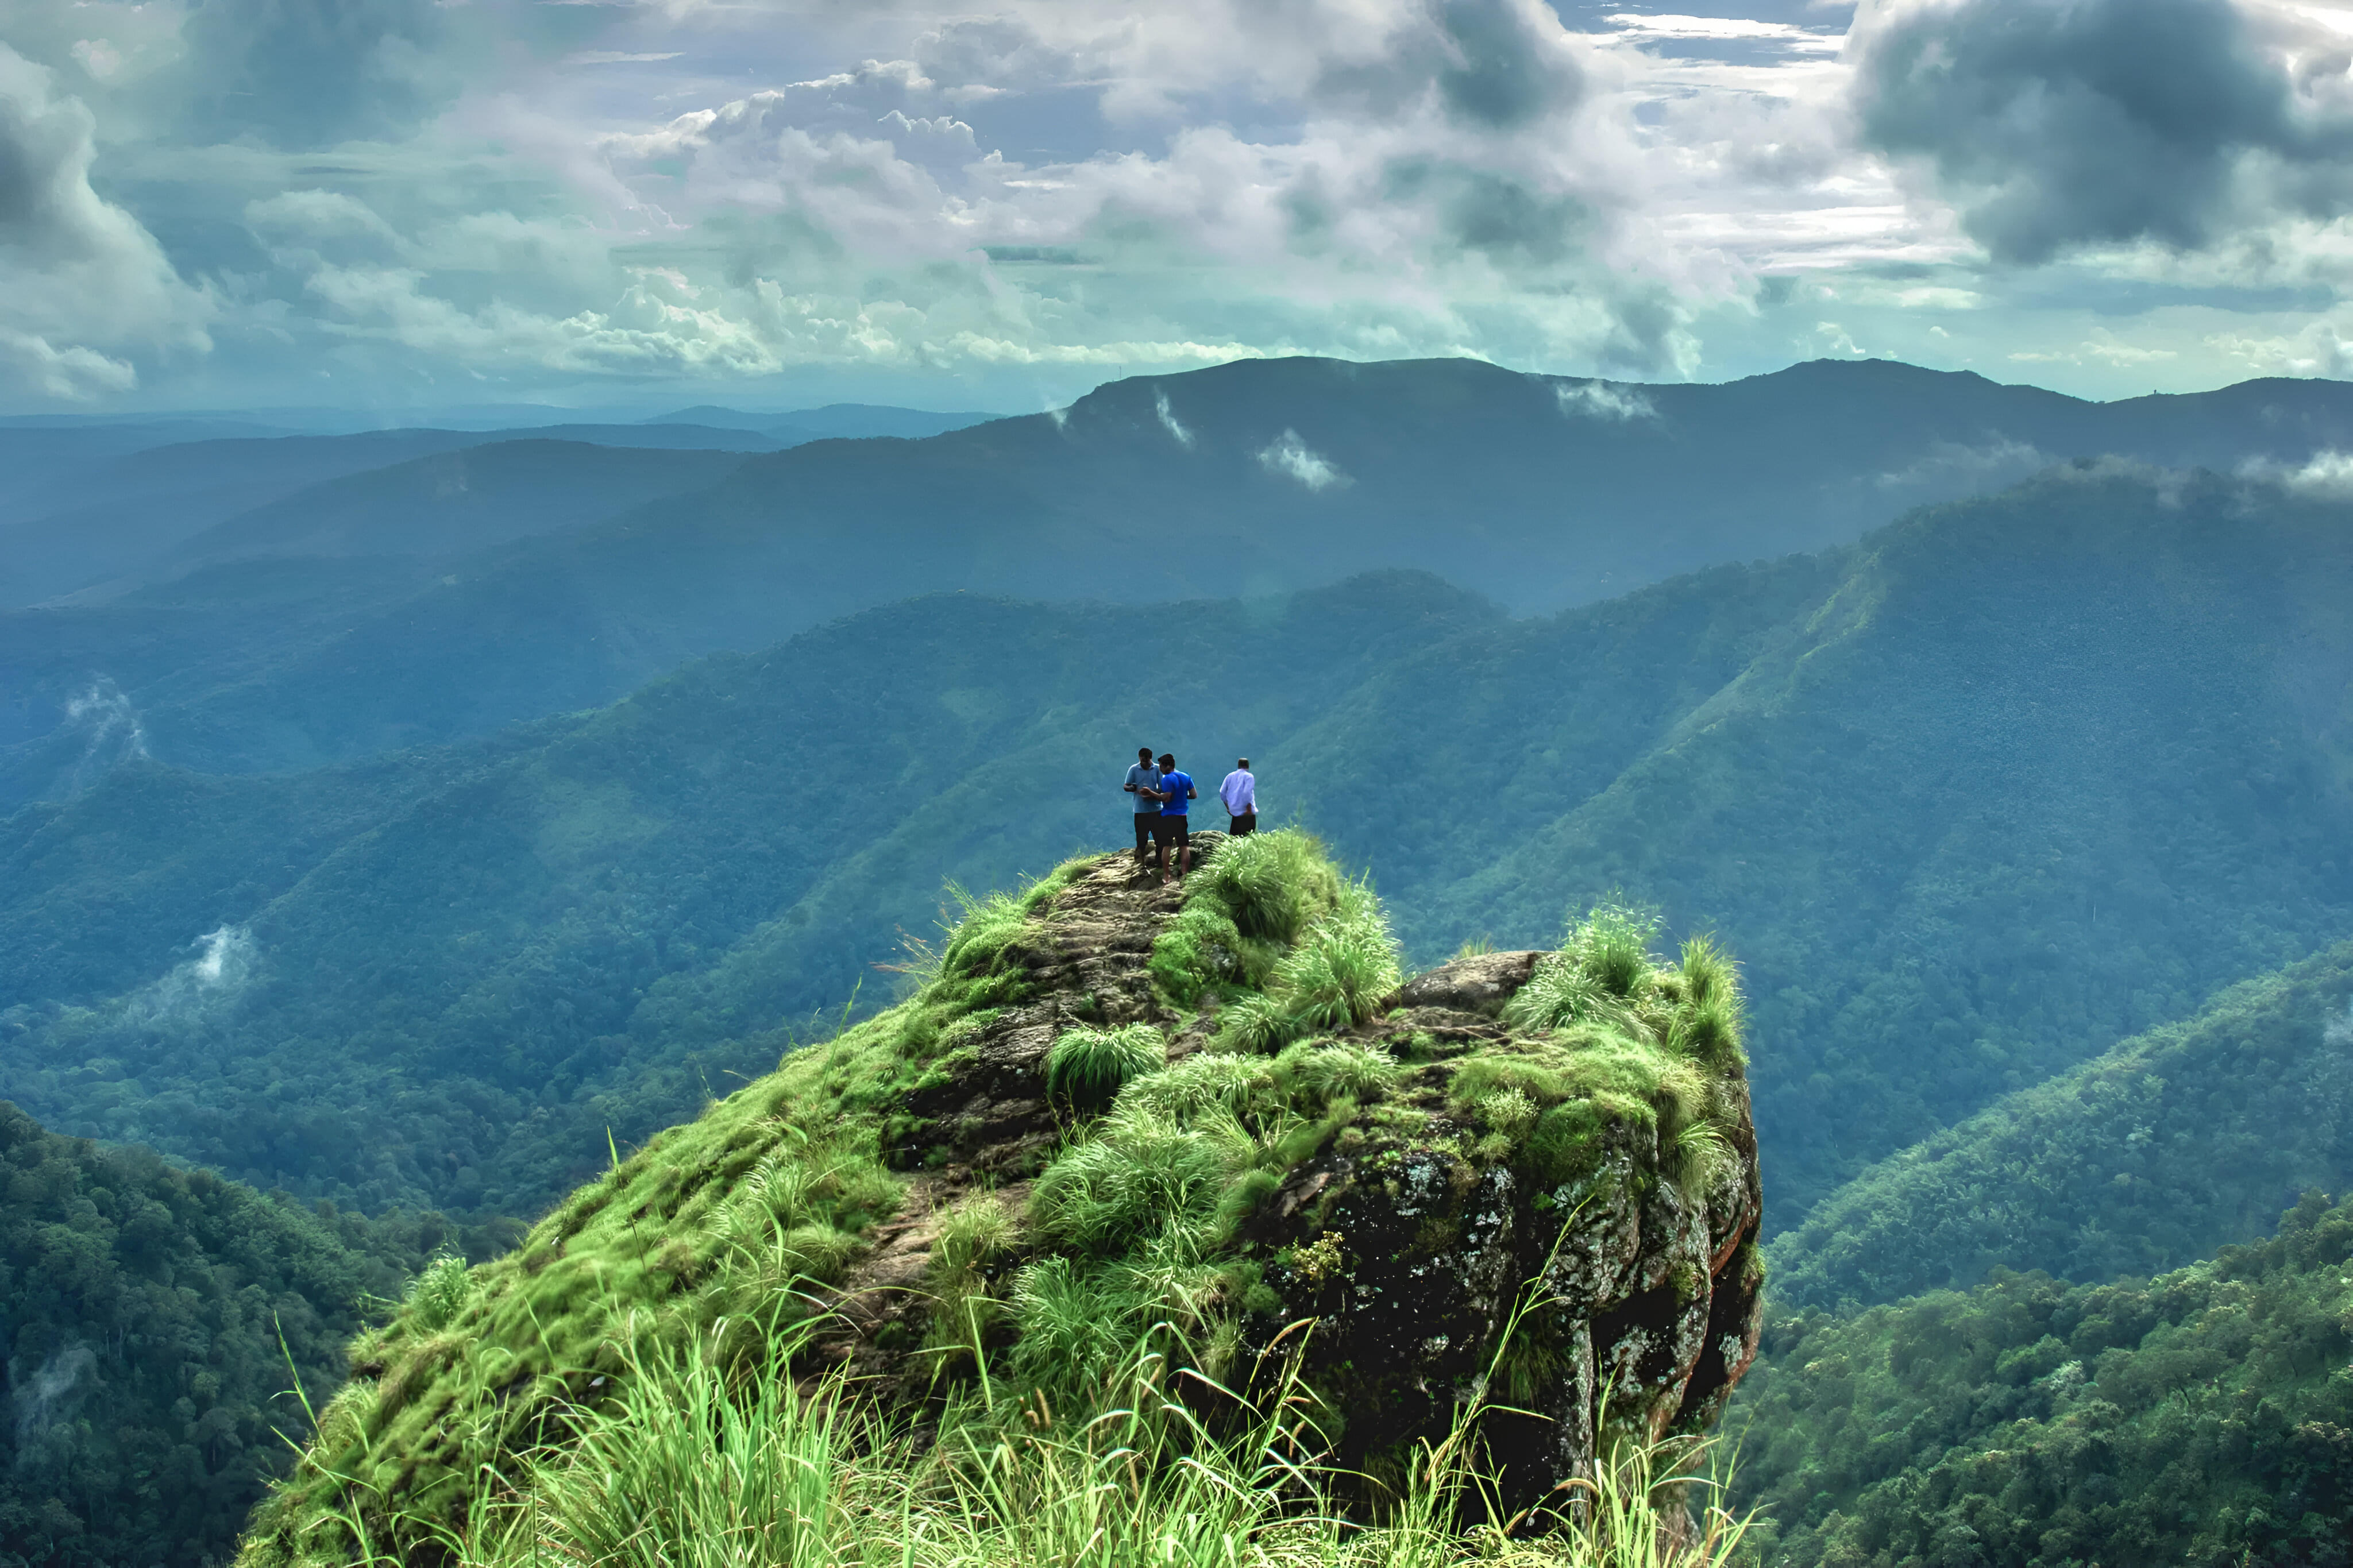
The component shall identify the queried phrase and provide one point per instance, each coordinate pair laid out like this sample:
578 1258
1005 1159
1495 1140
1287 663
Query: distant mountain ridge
1254 477
83 505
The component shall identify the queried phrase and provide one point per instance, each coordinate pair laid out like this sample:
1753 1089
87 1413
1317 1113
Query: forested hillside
2008 782
2144 1158
156 1321
2204 1417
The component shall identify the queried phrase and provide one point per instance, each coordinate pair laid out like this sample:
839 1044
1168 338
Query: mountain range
1974 798
413 821
496 606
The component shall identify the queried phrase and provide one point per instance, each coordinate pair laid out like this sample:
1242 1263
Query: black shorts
1170 830
1245 823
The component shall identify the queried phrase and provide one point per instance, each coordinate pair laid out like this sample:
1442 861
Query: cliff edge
1210 1124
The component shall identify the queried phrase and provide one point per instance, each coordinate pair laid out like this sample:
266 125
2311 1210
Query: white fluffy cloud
87 290
1030 196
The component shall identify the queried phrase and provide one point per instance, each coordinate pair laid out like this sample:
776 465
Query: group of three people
1164 797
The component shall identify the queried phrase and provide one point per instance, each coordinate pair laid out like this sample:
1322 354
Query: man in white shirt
1239 792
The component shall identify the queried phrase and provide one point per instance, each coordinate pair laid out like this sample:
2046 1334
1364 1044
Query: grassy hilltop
1118 1148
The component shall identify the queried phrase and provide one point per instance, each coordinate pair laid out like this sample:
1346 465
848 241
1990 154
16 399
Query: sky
645 204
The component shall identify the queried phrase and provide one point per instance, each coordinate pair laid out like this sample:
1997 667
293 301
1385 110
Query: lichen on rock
1210 1120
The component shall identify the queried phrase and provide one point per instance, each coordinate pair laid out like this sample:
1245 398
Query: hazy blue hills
459 502
2002 784
834 419
94 506
1262 476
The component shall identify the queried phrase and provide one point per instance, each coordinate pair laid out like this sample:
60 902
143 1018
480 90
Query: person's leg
1159 843
1245 825
1142 836
1184 836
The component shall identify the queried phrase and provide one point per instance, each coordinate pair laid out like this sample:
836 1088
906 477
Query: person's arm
1192 793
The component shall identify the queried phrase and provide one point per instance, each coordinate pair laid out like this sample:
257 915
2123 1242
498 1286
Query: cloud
225 961
1288 456
70 374
2060 125
1997 462
85 282
1723 29
1599 400
1490 64
2325 476
1168 420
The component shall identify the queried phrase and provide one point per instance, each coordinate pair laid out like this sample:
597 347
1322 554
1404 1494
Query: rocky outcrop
1122 1124
1554 1264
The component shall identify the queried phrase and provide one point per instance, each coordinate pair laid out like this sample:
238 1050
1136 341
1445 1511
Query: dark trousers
1247 823
1144 825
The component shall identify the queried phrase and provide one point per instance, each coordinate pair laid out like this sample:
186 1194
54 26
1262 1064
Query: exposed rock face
1413 1234
1481 984
1644 1303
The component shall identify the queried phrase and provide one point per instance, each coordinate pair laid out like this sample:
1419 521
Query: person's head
1144 755
1166 762
1243 764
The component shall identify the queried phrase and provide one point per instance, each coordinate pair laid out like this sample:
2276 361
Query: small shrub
1257 1024
1322 1074
989 927
1274 884
1076 1324
1707 1023
1087 1066
1612 945
440 1293
974 1233
1508 1111
817 1252
1206 1082
1138 1174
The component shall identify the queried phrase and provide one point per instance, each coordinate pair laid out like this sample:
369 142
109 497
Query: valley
422 842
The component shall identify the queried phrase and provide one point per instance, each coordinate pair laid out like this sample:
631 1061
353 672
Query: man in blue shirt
1176 789
1143 784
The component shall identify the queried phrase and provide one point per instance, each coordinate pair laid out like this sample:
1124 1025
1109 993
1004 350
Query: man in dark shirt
1143 784
1176 790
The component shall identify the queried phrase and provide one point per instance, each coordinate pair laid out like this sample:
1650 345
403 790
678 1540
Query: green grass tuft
439 1292
1086 1067
1272 885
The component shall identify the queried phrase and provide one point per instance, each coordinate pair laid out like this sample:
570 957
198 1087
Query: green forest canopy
156 1321
2203 1417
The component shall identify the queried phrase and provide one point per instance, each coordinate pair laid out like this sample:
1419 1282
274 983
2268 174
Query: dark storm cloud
1491 213
312 73
1494 64
2057 124
41 149
1498 72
